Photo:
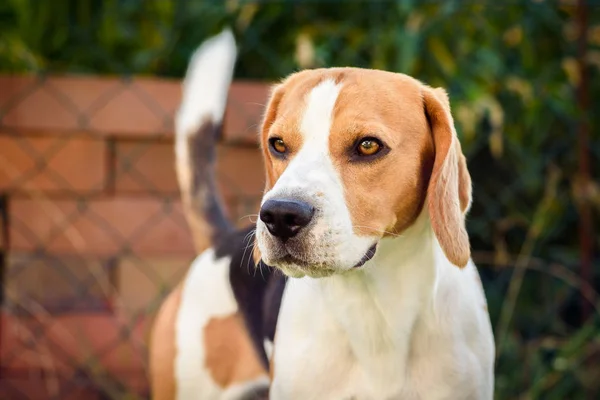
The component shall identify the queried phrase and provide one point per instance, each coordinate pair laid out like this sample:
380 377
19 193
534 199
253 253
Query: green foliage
511 73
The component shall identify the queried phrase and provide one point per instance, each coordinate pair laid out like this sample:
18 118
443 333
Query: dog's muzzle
296 238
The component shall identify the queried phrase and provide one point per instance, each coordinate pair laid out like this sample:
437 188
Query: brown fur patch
283 117
386 195
230 354
163 350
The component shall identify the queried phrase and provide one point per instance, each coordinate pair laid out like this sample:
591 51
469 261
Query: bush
512 75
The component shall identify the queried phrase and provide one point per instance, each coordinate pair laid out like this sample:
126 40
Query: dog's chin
297 268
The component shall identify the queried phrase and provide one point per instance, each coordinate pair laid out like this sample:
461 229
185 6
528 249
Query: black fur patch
204 193
257 289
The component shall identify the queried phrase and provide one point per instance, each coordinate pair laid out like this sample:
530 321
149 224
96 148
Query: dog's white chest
317 354
371 339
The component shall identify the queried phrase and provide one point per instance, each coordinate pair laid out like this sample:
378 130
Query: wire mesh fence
93 236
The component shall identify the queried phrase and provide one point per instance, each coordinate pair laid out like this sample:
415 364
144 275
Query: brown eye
368 147
278 145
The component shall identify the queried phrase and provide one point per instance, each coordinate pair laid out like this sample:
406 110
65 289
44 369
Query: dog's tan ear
449 191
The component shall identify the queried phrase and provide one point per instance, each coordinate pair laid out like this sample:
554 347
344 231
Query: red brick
128 113
142 283
166 94
150 166
70 342
77 282
40 109
245 108
240 171
3 235
241 180
145 166
84 93
108 226
240 174
103 105
32 164
112 106
13 88
32 384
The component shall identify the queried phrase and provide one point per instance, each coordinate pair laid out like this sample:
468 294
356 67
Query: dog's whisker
252 217
249 235
373 229
260 268
248 239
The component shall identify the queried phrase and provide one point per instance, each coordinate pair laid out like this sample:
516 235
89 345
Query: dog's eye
369 147
278 145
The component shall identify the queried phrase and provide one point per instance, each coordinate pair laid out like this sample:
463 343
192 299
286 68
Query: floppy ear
449 191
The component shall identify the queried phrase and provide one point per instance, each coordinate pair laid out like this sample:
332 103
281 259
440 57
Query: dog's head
353 156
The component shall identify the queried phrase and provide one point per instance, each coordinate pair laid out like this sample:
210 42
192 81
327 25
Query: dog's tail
198 125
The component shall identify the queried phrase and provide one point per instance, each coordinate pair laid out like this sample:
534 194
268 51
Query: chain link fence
93 236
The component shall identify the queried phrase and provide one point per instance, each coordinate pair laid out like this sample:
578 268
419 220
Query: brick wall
93 234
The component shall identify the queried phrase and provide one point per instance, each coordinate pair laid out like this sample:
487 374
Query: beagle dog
357 280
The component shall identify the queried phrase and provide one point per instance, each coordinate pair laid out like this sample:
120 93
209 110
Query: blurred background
92 235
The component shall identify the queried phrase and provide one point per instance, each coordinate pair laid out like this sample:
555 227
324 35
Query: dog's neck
379 306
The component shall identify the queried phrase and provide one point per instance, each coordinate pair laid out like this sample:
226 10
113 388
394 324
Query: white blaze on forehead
316 123
311 168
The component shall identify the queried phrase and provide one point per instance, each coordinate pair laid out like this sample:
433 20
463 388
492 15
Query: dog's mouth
368 255
290 259
294 265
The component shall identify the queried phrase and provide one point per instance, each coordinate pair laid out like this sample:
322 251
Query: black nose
285 218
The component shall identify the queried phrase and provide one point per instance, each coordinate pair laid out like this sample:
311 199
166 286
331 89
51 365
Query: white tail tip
206 83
